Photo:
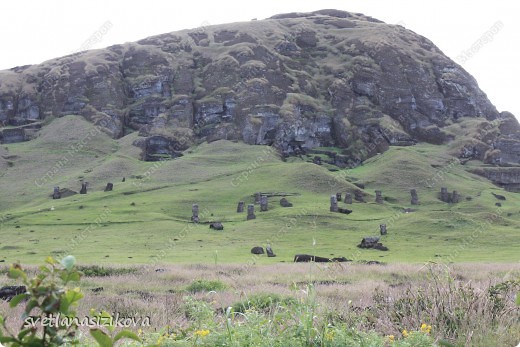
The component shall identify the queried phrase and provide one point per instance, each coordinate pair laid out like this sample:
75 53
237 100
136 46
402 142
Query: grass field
146 219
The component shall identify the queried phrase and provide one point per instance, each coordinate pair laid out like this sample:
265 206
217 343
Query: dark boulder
285 203
109 187
372 243
344 210
306 258
216 226
257 250
499 197
9 292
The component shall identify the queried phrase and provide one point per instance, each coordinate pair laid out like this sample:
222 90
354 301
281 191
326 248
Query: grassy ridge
139 221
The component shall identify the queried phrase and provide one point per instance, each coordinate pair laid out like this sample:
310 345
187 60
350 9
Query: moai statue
240 207
258 196
415 198
269 251
195 213
263 203
338 197
445 196
251 212
109 187
382 229
455 197
348 198
124 179
333 204
83 188
358 195
379 197
56 194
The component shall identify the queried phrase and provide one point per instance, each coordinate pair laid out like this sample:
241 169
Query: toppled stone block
285 203
372 243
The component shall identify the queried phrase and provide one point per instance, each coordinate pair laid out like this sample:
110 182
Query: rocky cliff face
296 81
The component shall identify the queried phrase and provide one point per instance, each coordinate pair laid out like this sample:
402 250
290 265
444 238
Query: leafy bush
262 302
100 271
206 286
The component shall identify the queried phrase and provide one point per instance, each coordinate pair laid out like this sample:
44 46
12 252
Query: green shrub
206 286
263 302
100 271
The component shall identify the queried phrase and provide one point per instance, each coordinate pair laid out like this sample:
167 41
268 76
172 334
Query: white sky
34 31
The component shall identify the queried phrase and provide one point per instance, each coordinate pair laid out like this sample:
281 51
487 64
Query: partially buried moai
240 207
56 194
195 213
333 204
263 203
348 198
379 197
251 212
415 198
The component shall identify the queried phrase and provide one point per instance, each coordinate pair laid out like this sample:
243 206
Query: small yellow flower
329 336
426 328
140 332
405 333
391 338
202 333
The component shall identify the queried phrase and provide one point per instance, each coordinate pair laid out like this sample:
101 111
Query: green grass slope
146 219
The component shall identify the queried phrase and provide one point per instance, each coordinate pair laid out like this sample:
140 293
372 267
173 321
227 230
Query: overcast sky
34 31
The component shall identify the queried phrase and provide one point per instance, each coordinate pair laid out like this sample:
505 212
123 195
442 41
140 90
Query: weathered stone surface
109 187
252 84
263 203
12 135
251 212
379 197
505 177
83 188
216 226
358 196
195 213
344 210
499 197
9 292
382 229
348 198
415 197
333 204
56 194
257 250
285 203
269 251
240 207
373 243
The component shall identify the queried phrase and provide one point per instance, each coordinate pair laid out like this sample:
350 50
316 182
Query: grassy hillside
145 220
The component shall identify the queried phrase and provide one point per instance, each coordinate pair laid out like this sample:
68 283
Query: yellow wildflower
391 338
405 333
426 328
329 336
202 333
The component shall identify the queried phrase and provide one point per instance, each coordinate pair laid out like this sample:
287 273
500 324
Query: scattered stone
499 197
257 250
216 226
372 243
83 188
333 204
195 213
317 160
344 210
379 197
97 290
269 251
358 196
408 210
338 197
498 204
306 258
285 203
109 187
348 198
240 207
415 198
251 212
373 262
382 229
263 203
56 194
9 292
